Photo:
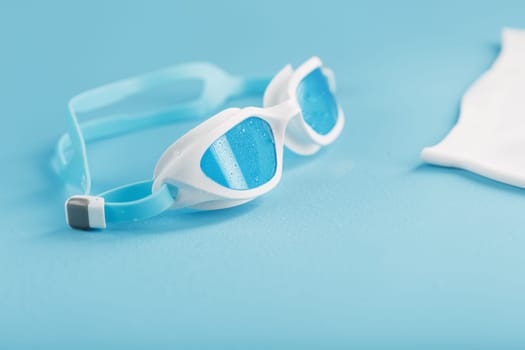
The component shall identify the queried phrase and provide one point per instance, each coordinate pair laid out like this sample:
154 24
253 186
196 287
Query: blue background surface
359 246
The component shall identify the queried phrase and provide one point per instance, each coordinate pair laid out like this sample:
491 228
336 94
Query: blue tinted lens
317 102
244 157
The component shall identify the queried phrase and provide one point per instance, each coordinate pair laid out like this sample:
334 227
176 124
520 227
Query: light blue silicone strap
135 201
250 87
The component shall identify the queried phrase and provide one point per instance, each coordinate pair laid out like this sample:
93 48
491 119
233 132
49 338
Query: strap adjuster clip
85 212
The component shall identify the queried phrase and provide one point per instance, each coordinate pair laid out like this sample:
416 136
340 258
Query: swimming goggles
229 159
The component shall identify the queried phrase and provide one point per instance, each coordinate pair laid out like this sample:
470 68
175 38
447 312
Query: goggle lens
244 157
317 102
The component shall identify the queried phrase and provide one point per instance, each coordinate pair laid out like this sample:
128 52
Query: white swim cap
489 137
